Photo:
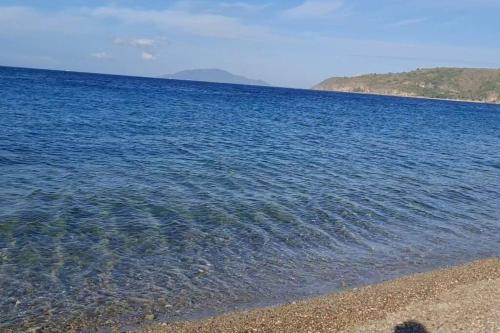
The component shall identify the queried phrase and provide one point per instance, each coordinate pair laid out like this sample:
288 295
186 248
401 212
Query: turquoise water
122 197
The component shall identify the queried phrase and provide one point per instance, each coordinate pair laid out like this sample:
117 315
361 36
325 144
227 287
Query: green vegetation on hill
472 84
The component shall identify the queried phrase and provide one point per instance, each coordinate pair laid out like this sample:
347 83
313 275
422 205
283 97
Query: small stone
150 316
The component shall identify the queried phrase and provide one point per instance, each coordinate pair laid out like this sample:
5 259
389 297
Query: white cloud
139 43
201 24
147 56
147 45
101 55
310 9
120 41
244 6
460 4
22 19
143 43
408 22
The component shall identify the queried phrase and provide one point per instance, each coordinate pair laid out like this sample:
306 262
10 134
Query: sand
459 299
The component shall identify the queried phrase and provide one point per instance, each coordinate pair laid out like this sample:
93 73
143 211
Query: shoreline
264 87
403 96
465 298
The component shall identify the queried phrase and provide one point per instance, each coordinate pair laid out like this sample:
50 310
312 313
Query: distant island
468 84
213 75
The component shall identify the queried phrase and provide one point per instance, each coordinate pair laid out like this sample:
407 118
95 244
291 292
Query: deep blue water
123 196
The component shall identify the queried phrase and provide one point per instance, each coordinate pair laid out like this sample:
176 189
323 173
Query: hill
214 75
482 85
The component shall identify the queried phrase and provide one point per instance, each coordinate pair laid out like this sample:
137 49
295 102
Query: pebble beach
457 299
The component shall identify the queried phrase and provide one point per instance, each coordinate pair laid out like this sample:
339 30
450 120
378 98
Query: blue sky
287 43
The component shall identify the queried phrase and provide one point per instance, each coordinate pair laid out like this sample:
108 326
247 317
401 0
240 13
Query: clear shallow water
122 197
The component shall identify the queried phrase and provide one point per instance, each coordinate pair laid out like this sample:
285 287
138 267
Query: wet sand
458 299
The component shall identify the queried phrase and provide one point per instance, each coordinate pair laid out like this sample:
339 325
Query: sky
295 43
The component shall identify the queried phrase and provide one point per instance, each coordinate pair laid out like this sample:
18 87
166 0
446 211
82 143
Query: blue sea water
122 197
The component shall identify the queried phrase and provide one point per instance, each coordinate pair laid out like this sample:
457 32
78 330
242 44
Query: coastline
408 96
460 298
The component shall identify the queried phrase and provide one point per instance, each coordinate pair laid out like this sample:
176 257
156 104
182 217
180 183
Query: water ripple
122 197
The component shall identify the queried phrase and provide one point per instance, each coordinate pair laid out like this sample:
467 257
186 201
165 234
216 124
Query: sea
127 201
